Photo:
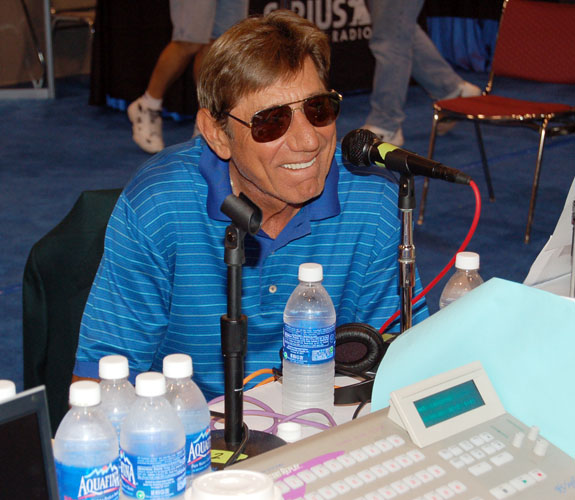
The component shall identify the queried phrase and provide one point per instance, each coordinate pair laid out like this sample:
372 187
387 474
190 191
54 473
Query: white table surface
271 395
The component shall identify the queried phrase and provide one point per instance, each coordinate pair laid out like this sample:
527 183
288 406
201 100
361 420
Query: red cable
451 262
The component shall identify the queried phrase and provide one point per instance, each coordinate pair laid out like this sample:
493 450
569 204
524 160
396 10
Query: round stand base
258 443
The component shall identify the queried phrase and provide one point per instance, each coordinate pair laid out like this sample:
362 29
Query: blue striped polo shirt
161 287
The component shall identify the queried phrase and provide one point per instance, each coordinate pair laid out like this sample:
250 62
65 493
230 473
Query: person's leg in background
228 13
434 73
430 69
393 29
437 76
402 49
192 22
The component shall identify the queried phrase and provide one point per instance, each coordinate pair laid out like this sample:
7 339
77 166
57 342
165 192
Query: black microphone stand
406 205
357 149
246 218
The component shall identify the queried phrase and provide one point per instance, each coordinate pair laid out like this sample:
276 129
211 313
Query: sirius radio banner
348 25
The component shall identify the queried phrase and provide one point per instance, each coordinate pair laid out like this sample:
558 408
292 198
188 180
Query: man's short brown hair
256 53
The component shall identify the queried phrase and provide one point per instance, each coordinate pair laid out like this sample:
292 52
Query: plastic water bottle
465 278
192 408
7 390
117 392
308 345
152 443
86 448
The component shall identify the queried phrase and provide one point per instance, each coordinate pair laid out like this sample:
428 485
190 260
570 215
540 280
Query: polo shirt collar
217 175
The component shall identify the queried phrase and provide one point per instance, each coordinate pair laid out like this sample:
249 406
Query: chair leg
484 162
535 186
39 53
426 181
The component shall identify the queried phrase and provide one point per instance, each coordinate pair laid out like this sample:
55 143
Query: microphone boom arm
406 250
406 163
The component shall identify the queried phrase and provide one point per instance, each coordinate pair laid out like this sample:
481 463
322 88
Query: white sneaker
146 126
464 89
395 138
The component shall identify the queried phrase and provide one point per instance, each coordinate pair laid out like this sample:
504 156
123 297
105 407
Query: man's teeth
299 166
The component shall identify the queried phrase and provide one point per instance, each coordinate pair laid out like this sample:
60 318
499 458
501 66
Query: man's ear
214 135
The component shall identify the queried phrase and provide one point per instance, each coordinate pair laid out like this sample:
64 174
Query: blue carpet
51 151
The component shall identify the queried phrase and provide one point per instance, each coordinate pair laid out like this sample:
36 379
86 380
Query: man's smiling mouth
299 166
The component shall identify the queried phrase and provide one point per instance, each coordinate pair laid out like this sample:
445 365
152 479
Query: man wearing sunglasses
267 120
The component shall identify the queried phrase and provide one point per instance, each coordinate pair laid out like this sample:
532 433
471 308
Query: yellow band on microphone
383 149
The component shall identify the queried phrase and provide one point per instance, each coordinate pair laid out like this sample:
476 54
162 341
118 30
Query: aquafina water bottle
86 448
192 408
152 444
117 392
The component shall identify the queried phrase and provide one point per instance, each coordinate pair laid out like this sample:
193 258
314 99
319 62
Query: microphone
362 148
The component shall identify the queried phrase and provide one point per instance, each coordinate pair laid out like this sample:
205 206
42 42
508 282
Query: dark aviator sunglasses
271 123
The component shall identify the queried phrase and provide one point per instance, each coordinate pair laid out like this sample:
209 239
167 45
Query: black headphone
359 348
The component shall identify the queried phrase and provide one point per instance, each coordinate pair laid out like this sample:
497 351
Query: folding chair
57 280
73 13
535 41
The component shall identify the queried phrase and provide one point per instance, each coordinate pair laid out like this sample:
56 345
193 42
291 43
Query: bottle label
308 346
96 483
162 476
199 451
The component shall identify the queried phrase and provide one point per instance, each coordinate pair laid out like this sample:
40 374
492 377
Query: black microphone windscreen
355 146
